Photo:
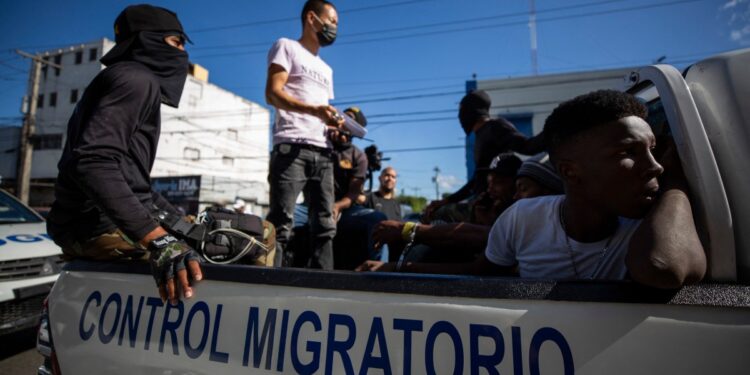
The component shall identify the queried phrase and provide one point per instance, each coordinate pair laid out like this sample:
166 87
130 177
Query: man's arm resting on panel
665 250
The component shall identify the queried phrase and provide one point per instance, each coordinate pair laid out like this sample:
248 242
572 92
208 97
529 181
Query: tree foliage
417 204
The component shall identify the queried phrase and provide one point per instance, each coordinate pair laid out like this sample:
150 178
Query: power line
415 120
420 149
407 97
213 147
402 91
423 26
211 130
381 115
264 157
208 168
287 19
474 28
524 22
17 69
410 97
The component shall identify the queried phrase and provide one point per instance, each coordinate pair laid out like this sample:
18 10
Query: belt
306 147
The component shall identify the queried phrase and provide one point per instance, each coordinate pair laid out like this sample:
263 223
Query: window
73 95
522 122
58 61
45 67
226 160
191 153
79 57
47 141
233 134
53 99
40 101
12 211
93 54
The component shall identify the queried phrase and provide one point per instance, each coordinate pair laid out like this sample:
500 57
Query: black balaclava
139 33
474 106
169 64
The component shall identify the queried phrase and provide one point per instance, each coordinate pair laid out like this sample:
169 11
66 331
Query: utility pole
26 147
437 183
532 32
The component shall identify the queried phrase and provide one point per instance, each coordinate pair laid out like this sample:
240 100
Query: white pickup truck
107 318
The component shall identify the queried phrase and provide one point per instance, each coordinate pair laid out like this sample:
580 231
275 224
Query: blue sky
400 48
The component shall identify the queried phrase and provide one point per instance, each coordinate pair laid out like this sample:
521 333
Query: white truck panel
99 328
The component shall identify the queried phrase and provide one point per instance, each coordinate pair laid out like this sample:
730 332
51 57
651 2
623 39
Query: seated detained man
537 177
352 244
615 218
455 242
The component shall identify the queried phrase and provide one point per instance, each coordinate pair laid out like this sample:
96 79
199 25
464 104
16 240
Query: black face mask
327 35
169 64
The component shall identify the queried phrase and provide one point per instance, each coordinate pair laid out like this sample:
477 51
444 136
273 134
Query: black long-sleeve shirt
103 181
494 137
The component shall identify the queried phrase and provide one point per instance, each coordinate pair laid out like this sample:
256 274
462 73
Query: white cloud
449 183
739 35
731 4
738 12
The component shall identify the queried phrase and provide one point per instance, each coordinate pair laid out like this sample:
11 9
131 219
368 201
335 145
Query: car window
12 211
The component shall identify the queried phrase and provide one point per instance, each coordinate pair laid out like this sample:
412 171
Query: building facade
215 134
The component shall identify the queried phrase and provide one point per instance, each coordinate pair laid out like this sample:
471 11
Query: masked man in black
104 201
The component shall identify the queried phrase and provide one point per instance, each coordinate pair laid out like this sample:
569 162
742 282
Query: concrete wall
54 120
539 95
231 135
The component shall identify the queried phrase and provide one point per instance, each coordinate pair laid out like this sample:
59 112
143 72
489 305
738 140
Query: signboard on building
181 191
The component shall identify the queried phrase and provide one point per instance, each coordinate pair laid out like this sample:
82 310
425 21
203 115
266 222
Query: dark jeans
353 243
294 168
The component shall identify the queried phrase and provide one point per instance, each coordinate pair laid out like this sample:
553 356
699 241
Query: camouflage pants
117 246
269 241
109 246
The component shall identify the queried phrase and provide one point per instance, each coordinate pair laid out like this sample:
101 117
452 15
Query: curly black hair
587 111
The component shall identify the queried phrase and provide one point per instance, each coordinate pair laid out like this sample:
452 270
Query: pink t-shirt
310 81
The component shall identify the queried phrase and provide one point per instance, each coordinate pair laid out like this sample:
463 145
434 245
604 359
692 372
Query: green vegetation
417 203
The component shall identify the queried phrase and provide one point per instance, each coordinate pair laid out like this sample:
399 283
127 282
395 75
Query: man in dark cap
489 138
537 177
501 188
104 202
352 244
350 165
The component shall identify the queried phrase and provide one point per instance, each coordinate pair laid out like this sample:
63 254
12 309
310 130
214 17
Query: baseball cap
505 164
359 117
